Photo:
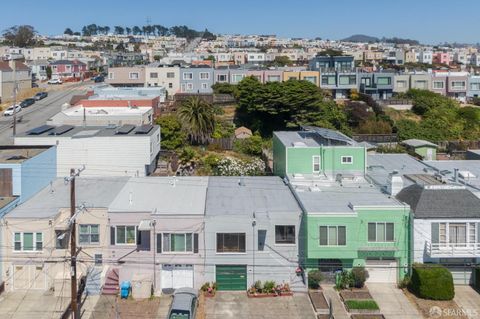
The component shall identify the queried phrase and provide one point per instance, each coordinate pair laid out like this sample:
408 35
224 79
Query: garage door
29 277
461 275
177 276
230 277
382 270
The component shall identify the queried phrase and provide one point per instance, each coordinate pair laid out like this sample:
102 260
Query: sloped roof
440 201
418 143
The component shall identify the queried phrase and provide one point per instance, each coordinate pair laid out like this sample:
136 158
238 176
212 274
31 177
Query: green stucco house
347 221
425 149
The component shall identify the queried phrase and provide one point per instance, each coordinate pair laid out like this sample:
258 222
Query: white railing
453 249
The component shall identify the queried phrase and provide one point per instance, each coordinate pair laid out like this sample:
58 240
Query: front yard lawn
362 304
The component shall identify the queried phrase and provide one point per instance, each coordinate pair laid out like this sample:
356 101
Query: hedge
431 282
362 304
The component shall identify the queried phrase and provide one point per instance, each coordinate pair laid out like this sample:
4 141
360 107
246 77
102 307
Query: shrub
360 275
432 282
362 304
314 279
269 286
345 281
249 146
187 154
404 283
258 286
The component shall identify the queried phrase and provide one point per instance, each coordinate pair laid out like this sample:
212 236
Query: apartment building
196 79
337 73
167 76
126 76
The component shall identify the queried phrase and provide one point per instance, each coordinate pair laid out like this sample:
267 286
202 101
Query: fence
376 138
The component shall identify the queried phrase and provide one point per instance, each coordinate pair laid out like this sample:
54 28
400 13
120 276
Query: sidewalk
332 296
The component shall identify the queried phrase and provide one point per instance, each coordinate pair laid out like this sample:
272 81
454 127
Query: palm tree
198 119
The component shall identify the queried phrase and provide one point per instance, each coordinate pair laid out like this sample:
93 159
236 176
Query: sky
429 21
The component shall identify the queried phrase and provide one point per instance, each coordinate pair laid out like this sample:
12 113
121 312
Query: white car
55 81
9 111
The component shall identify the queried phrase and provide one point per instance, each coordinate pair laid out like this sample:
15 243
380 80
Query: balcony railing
453 249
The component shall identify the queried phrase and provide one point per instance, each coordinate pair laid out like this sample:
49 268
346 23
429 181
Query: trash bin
125 289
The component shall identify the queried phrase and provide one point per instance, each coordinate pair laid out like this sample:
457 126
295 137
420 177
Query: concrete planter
267 295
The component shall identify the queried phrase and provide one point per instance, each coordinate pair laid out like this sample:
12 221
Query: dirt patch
378 316
129 308
435 308
201 307
355 294
318 300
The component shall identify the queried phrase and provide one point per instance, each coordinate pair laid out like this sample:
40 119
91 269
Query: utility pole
14 98
73 243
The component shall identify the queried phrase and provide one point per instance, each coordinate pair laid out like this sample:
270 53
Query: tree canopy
20 36
198 119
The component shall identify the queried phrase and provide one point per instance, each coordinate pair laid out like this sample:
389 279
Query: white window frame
314 157
34 248
328 235
111 75
438 88
344 162
204 86
125 244
230 253
153 75
190 77
89 234
132 78
462 87
201 74
169 251
189 87
385 235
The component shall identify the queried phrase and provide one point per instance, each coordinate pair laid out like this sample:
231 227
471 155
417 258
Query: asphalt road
38 113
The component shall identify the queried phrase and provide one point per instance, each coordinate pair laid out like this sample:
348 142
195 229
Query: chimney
394 183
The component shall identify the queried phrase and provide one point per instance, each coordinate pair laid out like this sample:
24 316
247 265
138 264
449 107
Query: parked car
40 96
55 81
9 112
34 85
27 102
99 79
184 304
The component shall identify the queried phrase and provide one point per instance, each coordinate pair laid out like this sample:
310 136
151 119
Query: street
38 113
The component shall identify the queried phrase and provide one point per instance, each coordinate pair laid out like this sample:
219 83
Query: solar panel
144 129
61 129
39 130
125 129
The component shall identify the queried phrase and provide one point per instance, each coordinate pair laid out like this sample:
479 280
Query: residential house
134 149
12 72
337 73
401 83
379 85
310 76
441 58
473 86
126 76
67 69
424 149
39 239
196 79
154 231
420 81
425 57
452 84
39 69
167 76
252 232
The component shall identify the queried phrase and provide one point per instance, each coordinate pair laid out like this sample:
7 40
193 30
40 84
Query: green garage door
231 277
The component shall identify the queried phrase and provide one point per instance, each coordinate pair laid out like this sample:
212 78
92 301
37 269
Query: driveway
32 304
468 300
392 302
226 305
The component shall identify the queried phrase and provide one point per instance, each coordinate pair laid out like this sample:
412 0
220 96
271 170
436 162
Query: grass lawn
362 304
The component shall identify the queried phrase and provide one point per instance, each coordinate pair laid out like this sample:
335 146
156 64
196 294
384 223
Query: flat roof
312 138
236 195
94 192
19 153
162 195
79 111
92 131
468 171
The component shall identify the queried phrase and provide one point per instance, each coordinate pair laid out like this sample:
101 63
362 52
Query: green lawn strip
362 304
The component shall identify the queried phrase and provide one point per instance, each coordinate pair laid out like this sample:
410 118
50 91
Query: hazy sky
429 21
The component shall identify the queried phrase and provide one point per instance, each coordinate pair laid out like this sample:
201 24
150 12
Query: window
88 234
458 84
384 80
475 86
111 76
380 232
328 80
438 84
170 75
189 86
154 75
333 236
457 233
347 79
311 79
421 84
204 86
204 75
221 78
98 259
347 159
61 239
284 234
316 163
401 84
133 75
366 81
126 235
170 85
177 243
273 78
188 76
231 243
28 242
237 77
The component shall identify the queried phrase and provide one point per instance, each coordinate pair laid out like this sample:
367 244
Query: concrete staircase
111 286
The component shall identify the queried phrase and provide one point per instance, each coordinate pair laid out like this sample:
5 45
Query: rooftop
162 195
19 154
418 143
314 137
90 131
94 192
246 195
79 111
106 92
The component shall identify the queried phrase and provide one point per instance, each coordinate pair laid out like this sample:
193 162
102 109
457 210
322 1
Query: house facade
22 76
167 76
337 73
196 79
126 76
379 85
66 69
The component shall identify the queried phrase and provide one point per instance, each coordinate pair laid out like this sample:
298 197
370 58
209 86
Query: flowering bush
235 167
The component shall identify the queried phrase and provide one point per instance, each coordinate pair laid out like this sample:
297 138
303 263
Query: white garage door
29 277
382 271
461 275
177 276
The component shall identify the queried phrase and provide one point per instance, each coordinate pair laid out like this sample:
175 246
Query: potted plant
209 289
